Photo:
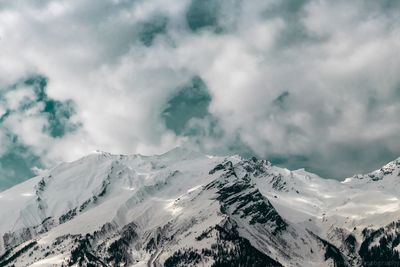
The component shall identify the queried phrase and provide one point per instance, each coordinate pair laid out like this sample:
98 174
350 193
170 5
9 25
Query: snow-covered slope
184 208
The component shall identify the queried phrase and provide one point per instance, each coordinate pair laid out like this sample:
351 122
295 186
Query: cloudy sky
305 83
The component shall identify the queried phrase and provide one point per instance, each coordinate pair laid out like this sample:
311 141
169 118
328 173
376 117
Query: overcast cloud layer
310 84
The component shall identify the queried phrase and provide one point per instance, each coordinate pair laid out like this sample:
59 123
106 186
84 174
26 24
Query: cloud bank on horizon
310 83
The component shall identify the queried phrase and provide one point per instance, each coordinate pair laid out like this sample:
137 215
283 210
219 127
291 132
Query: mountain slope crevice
184 208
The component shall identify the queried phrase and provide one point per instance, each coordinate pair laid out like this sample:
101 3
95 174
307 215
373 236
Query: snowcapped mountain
184 208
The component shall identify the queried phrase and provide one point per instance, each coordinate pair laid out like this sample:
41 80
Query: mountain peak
184 207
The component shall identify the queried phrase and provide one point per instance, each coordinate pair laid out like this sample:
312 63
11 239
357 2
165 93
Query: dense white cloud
312 82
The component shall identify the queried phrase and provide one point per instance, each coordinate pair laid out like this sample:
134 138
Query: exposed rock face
188 209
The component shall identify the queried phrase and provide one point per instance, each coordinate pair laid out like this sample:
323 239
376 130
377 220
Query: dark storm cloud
308 83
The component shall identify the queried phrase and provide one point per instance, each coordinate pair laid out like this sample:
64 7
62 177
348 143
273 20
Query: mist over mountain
307 83
199 133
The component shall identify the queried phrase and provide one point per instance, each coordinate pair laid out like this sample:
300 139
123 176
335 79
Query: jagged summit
185 208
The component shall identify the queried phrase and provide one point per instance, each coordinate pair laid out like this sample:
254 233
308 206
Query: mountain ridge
185 208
